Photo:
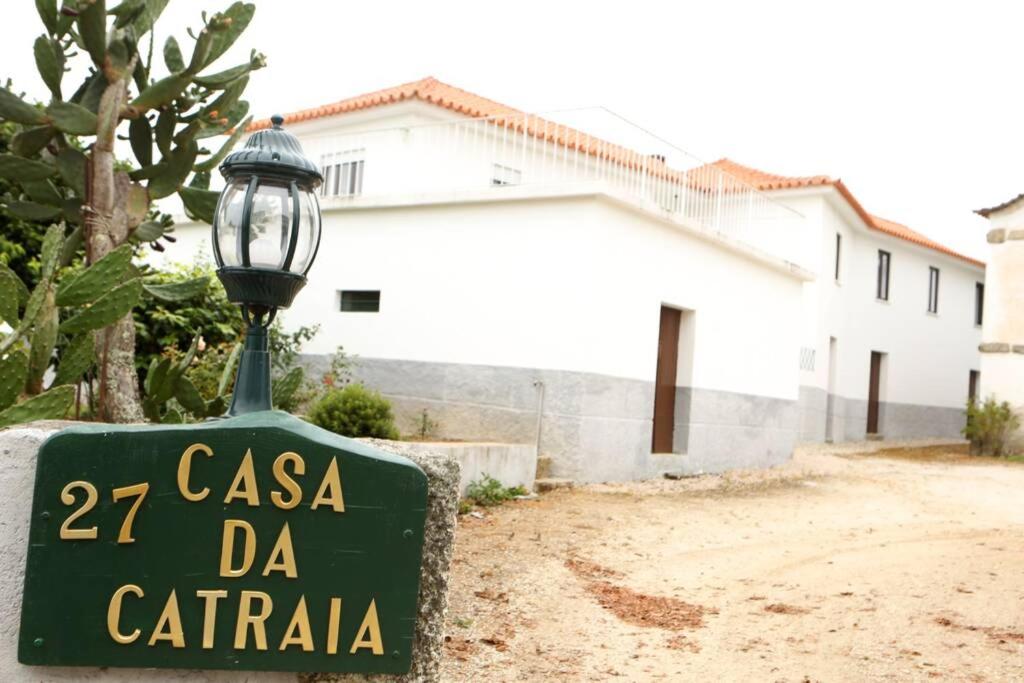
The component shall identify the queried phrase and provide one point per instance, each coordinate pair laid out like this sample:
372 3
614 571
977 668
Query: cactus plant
169 393
87 301
52 405
98 206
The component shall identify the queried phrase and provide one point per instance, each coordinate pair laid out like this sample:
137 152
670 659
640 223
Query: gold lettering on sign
300 623
244 485
210 614
140 490
168 626
332 626
227 547
369 633
282 557
330 489
114 614
299 466
185 469
247 618
68 498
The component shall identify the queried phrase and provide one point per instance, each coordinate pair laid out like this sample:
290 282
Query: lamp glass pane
309 232
229 222
270 225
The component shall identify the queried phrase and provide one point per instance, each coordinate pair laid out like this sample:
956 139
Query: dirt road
836 567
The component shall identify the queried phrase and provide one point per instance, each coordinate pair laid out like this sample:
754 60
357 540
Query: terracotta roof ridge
770 181
817 179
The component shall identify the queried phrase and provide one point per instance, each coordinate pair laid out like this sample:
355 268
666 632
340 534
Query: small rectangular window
979 302
343 173
360 301
506 175
839 248
933 289
882 289
972 385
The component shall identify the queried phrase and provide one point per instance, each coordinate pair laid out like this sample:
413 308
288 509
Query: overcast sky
917 106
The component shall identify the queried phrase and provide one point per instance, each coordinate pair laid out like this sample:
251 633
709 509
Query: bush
354 411
162 325
488 492
990 426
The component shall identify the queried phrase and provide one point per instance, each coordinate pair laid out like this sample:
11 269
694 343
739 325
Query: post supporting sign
258 542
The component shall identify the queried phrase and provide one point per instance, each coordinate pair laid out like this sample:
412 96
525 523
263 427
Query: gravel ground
856 562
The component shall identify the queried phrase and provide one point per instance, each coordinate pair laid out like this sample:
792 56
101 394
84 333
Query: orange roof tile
455 99
769 181
458 100
427 89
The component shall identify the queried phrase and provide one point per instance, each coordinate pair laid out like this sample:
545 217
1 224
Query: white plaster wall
561 283
929 356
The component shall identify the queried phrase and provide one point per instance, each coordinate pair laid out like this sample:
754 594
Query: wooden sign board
257 542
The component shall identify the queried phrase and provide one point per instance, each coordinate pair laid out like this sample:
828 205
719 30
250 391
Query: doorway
665 381
874 390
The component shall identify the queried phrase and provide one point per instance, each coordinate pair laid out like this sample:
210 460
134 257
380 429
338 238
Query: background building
1002 350
631 308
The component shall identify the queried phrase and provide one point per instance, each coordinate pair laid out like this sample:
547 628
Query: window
360 301
972 385
505 175
839 248
882 290
979 302
933 289
807 358
343 173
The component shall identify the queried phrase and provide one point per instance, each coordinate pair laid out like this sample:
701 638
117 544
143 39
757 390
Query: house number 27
67 533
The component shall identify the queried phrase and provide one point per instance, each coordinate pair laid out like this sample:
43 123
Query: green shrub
354 411
163 325
990 426
488 492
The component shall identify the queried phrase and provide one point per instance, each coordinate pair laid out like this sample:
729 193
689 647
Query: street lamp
266 232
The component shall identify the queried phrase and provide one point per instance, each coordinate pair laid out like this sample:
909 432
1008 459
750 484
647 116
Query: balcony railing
466 157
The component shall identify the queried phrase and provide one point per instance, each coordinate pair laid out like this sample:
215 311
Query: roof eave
985 213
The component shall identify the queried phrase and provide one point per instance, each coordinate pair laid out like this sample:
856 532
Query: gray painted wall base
720 430
895 420
595 427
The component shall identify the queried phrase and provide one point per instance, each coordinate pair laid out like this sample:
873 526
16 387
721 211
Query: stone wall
895 420
595 427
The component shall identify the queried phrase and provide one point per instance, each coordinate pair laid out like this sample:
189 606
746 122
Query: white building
892 322
1002 358
642 311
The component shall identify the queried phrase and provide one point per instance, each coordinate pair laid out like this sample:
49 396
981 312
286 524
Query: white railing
492 154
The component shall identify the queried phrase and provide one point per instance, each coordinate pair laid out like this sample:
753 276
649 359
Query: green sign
256 543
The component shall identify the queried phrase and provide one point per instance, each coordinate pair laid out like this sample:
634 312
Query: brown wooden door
873 388
665 381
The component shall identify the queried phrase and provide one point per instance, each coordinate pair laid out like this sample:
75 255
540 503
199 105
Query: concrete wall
513 464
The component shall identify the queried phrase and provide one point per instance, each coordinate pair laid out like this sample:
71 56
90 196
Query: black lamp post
266 233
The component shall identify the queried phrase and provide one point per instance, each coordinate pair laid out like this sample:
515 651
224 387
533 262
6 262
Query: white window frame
502 175
343 173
